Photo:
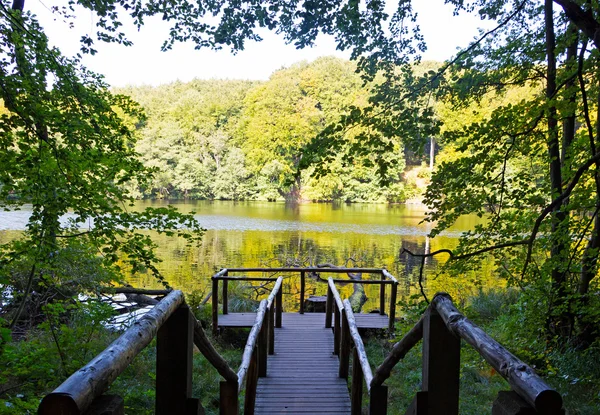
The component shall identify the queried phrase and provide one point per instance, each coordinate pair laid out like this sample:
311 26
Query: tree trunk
558 324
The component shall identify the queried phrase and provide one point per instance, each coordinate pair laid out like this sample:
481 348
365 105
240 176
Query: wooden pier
302 376
295 363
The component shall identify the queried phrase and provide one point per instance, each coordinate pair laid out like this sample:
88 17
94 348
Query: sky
144 63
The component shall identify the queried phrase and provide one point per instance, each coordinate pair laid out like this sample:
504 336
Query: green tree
64 149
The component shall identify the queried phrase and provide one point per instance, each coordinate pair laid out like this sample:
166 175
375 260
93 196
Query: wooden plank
246 320
302 375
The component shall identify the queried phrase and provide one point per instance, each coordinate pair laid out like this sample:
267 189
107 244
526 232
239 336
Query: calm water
249 234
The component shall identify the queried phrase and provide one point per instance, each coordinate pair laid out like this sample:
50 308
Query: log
358 345
251 343
520 376
208 351
398 352
141 299
76 394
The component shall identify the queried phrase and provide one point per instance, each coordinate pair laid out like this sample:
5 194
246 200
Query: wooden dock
246 320
302 376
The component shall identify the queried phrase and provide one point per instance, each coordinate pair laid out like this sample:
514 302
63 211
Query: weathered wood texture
398 352
174 349
76 394
521 377
246 320
309 269
209 352
359 347
251 343
441 365
302 376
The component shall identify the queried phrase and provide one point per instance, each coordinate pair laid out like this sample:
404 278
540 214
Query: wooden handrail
336 294
213 357
308 269
76 393
243 278
251 343
397 353
358 345
274 292
389 276
520 376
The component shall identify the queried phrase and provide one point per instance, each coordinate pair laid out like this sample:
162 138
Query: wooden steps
302 375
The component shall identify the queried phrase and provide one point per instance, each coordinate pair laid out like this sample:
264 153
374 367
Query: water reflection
249 234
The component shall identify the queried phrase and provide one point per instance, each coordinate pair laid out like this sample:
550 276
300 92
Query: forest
242 140
515 116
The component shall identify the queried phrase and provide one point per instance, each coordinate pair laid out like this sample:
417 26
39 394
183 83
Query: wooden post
302 288
344 347
251 383
393 307
441 365
229 404
378 401
215 306
225 302
272 329
263 345
336 329
382 296
357 385
174 347
279 310
328 307
418 406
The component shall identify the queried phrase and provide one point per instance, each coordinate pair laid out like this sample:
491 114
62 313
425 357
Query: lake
250 234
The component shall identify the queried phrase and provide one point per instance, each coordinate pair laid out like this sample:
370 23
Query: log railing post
263 346
328 307
174 349
224 299
382 296
357 385
215 306
302 288
441 365
279 307
336 329
344 347
251 383
393 307
378 400
229 401
272 329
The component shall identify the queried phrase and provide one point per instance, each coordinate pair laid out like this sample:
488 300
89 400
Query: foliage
241 140
65 150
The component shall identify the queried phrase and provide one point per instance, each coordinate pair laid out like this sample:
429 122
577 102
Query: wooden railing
345 335
223 275
176 330
260 343
441 328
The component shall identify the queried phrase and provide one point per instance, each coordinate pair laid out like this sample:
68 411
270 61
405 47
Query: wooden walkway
246 320
302 375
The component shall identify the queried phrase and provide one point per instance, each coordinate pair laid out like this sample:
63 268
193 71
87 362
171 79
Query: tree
64 148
